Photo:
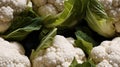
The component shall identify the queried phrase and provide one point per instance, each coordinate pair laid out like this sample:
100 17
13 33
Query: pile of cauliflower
107 54
62 51
8 9
60 54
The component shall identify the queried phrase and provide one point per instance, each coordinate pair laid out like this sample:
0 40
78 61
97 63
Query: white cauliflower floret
16 5
6 14
48 7
59 4
98 53
104 63
19 47
14 55
71 40
8 9
60 54
108 51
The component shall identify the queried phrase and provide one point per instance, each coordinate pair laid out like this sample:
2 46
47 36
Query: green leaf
21 20
22 25
73 10
28 12
21 32
48 39
74 63
84 42
44 43
43 32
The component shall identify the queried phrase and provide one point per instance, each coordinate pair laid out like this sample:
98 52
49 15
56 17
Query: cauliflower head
8 9
107 54
60 54
12 54
112 8
48 7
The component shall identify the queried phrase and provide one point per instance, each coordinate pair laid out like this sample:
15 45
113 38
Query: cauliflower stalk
8 9
107 54
60 52
14 57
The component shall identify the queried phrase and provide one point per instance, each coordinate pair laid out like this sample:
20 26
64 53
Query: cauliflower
60 54
112 8
59 13
107 54
8 9
102 17
48 7
14 55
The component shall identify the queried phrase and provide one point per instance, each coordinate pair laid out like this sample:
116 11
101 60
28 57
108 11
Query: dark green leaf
84 42
81 35
44 31
20 33
21 20
28 13
48 39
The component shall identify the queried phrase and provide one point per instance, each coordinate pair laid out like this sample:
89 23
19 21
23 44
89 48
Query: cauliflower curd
12 55
48 7
107 54
8 9
60 54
